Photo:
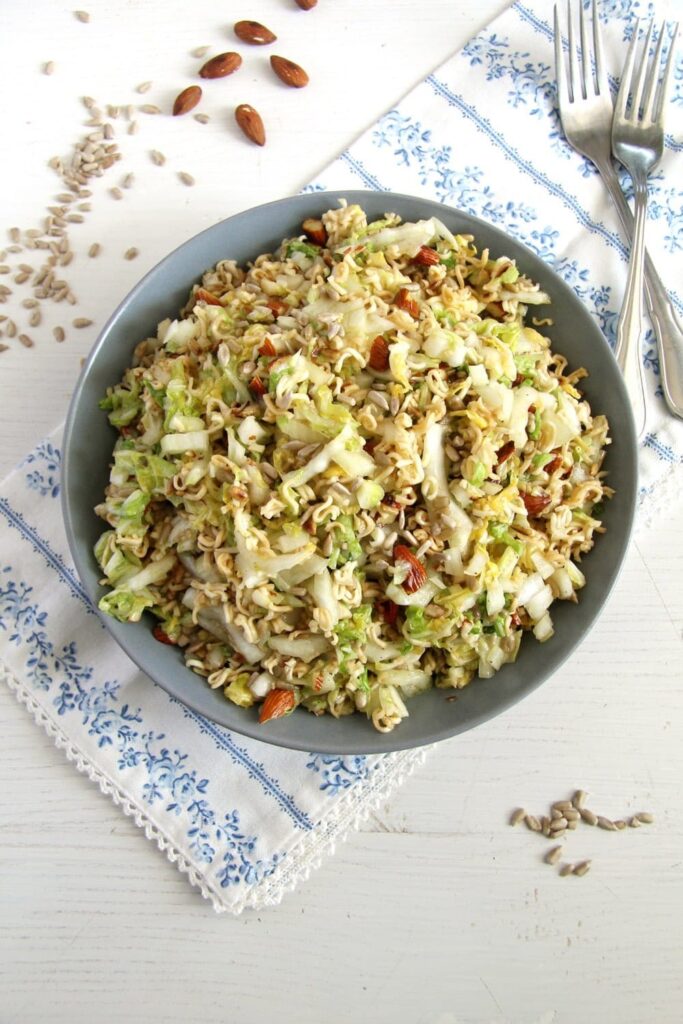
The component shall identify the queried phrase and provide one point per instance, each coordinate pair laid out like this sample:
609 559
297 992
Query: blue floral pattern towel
246 821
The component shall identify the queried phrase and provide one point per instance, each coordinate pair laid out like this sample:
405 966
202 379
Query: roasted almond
505 452
221 65
427 257
253 32
251 124
159 634
202 295
257 387
417 574
534 503
267 348
277 308
379 354
404 301
276 704
306 5
315 230
187 100
289 72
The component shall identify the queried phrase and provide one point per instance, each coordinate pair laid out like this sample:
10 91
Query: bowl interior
89 440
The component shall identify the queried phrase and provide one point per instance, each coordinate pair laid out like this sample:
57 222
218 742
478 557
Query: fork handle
630 325
666 324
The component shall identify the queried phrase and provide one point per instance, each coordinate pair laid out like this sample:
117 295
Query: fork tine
642 75
649 99
574 87
626 75
666 77
560 69
600 73
586 66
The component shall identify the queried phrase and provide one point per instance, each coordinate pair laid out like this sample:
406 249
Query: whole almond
253 32
289 72
306 5
251 124
187 100
221 65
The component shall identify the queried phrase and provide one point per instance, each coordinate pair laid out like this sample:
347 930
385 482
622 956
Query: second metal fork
586 113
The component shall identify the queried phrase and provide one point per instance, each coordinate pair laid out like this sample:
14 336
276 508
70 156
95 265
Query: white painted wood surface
436 912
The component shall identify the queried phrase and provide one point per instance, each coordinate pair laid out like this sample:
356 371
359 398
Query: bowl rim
373 742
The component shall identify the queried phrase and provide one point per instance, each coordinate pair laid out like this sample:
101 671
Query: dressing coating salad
351 472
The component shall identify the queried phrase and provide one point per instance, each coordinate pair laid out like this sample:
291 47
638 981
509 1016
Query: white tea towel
247 821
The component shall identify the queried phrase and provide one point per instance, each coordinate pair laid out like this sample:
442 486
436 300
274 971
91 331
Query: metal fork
586 113
638 143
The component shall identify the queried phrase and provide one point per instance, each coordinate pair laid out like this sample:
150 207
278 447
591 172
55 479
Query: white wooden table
435 912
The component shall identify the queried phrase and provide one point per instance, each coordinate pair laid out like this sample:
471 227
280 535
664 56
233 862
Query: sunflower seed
583 868
157 158
108 132
562 805
558 825
200 51
26 341
645 817
3 348
202 118
566 869
30 303
620 824
82 16
35 318
552 856
186 178
571 814
85 207
113 112
143 87
588 816
605 823
116 193
532 822
11 329
14 234
149 108
131 253
573 824
128 181
634 823
94 250
14 248
49 67
59 333
75 218
133 128
4 269
81 321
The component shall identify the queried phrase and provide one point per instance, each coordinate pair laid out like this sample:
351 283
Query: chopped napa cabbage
345 544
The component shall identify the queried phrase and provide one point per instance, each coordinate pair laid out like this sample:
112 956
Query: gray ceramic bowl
89 439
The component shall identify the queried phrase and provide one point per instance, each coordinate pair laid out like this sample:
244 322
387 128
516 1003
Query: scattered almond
253 32
404 301
187 100
427 257
379 354
417 574
289 72
276 704
306 5
315 230
249 120
221 65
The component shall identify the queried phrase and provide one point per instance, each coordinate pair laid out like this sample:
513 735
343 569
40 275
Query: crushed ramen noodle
351 472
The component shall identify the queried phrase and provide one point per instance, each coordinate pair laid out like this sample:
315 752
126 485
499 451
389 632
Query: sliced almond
289 72
221 65
249 120
187 100
253 32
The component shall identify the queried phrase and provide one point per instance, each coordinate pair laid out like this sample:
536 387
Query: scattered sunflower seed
579 799
588 816
634 823
131 253
59 333
108 132
11 329
30 303
116 193
3 348
149 108
200 51
26 341
583 868
571 814
128 181
75 218
133 128
605 823
517 816
21 278
186 178
566 869
94 250
81 321
532 822
4 269
113 112
157 158
14 234
143 87
49 67
620 824
645 817
553 855
82 16
562 805
558 825
202 118
35 318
